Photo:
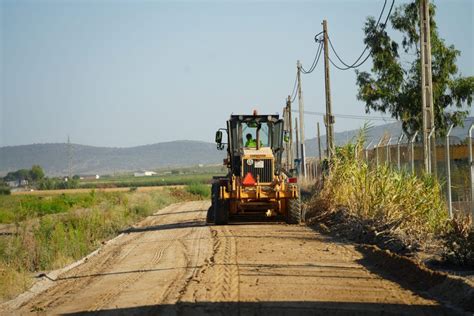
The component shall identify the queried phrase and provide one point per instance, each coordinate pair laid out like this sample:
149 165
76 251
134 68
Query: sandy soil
173 263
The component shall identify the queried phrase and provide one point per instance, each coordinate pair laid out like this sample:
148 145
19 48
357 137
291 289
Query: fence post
377 150
387 153
398 150
367 152
448 173
430 156
471 167
412 156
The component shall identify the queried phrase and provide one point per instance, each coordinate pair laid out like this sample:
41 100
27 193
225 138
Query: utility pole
329 118
319 143
288 129
427 86
301 110
286 144
297 139
69 158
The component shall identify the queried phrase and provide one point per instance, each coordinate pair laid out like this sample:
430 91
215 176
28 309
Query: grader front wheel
294 211
219 208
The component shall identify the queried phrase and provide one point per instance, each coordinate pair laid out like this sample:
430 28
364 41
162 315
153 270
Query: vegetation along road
172 262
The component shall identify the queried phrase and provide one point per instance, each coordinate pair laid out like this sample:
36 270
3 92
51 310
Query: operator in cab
251 143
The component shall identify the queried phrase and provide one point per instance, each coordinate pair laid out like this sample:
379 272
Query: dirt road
173 263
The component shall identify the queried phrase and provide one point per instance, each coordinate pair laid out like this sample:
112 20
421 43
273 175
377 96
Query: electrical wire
366 46
315 61
295 92
351 116
319 51
356 63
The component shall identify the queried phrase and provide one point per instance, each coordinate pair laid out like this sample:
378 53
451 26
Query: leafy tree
394 86
36 173
22 174
4 189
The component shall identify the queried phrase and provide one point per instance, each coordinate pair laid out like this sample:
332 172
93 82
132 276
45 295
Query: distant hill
105 160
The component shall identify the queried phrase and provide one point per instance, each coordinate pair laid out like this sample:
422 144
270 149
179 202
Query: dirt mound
414 275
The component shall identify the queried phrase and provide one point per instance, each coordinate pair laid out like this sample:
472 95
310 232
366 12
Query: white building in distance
144 174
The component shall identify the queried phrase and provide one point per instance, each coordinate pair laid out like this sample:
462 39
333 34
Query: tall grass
54 240
199 189
389 200
131 181
17 208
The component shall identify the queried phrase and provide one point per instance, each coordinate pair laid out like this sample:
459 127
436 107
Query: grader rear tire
219 208
294 211
210 215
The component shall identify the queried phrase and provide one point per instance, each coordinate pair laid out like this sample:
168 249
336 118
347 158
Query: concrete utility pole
301 110
69 158
319 143
329 118
297 139
286 145
426 86
290 129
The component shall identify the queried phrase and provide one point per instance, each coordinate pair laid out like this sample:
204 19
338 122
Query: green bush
459 241
4 190
199 189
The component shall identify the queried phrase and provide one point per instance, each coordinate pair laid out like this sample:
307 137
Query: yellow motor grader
256 185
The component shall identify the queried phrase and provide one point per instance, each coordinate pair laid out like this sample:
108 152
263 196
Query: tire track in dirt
224 262
178 265
192 254
86 274
104 299
178 244
81 277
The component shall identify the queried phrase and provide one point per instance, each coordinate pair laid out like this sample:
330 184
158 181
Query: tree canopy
394 84
34 174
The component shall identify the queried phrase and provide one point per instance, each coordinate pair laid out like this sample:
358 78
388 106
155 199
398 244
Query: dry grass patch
54 240
393 209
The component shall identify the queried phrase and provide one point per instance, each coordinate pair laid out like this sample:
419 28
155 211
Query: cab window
251 129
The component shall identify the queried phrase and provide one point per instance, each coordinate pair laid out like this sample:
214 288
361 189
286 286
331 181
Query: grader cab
256 185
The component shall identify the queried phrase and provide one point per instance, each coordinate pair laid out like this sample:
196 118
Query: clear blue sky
125 73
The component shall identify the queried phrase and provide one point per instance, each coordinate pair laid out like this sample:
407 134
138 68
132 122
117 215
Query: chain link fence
452 165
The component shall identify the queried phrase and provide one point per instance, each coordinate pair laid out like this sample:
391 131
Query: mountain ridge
53 157
86 159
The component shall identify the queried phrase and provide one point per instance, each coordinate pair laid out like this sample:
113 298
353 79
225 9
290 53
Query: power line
351 116
294 92
315 61
366 46
356 63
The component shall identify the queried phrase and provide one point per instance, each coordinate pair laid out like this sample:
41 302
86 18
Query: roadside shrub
459 241
4 190
199 189
386 201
